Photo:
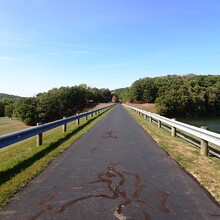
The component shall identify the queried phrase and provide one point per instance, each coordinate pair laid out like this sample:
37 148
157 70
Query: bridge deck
115 171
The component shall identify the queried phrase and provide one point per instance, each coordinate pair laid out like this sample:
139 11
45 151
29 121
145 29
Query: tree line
54 104
174 96
188 95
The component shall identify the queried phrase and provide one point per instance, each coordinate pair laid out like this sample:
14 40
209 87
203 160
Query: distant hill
8 96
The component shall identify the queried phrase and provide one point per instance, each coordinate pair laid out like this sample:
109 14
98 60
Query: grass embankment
205 169
23 161
8 125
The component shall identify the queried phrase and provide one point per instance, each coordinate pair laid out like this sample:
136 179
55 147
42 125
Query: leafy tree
188 95
2 109
6 100
137 89
106 95
9 111
25 109
123 94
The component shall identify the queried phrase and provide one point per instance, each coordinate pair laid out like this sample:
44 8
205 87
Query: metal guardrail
205 135
14 137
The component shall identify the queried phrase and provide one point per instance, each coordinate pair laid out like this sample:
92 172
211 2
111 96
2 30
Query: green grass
21 162
8 125
205 169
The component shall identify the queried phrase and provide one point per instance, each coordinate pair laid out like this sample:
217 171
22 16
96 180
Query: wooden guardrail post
77 120
159 124
173 129
39 138
64 126
204 144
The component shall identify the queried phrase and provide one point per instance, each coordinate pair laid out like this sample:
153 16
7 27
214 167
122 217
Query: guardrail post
204 144
150 119
39 138
64 126
77 120
159 124
173 129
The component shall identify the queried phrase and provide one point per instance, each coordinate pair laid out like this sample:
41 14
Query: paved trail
115 171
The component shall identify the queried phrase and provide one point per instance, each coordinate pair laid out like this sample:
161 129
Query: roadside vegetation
54 104
206 170
21 162
176 96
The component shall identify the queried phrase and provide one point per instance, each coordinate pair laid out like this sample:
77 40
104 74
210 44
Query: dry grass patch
151 107
8 125
205 169
102 105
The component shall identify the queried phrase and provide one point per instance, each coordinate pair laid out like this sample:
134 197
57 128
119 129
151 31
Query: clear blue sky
104 43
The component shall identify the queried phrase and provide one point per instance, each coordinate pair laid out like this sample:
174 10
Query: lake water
213 123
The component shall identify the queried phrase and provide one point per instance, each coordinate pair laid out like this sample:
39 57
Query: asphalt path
115 171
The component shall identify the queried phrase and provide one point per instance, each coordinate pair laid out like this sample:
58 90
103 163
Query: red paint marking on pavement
115 182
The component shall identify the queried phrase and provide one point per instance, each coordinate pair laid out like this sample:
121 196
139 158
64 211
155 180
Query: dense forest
188 95
54 104
6 101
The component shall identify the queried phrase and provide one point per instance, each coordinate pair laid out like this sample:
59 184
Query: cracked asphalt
115 171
